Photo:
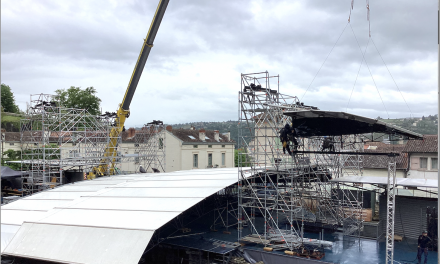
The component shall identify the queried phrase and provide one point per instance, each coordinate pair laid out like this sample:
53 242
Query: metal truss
391 195
55 139
290 190
150 148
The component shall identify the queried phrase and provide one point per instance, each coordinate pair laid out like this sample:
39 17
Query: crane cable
363 56
324 62
360 66
392 77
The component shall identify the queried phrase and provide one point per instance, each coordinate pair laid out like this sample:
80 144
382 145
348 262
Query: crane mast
124 108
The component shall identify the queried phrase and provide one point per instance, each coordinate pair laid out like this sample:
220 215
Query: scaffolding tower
55 139
291 190
150 147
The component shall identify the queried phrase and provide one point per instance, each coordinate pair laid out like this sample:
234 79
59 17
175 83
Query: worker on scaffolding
422 248
288 134
328 144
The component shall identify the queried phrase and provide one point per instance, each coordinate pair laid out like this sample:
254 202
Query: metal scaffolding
391 195
55 139
289 191
150 147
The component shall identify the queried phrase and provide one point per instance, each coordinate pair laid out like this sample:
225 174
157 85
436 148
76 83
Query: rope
324 62
392 77
369 71
357 75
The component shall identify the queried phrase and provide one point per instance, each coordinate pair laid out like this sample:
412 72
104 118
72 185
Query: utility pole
438 116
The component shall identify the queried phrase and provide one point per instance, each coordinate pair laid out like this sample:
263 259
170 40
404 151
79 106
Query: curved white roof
104 220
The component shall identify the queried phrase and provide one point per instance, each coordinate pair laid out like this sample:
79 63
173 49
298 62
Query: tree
241 156
75 97
8 100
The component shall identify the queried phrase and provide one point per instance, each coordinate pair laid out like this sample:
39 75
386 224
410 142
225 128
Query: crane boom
124 108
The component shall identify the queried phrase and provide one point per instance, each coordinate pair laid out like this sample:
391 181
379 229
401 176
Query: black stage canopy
309 123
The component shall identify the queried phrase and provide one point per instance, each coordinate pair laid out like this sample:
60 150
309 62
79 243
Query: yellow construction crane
124 108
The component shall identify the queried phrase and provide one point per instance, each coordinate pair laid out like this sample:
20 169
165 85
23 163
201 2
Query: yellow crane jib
106 166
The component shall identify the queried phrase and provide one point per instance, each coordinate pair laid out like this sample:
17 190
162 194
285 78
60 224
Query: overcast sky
202 47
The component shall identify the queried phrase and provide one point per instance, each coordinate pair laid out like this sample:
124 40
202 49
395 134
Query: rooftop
429 144
381 162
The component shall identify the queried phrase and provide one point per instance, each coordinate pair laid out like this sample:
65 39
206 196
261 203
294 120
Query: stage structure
289 191
55 139
150 147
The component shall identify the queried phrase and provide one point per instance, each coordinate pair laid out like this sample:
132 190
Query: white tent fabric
407 182
101 220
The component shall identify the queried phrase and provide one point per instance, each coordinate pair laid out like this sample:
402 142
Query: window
209 146
160 143
195 146
210 159
434 164
11 144
423 163
223 159
195 160
191 137
223 146
136 145
136 159
73 153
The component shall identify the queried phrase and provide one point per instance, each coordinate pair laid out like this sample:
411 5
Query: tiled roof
12 136
381 162
183 134
427 145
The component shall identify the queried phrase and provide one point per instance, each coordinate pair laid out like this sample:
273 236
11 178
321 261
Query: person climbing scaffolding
288 134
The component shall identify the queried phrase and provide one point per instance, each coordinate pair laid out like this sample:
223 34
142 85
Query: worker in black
288 134
423 242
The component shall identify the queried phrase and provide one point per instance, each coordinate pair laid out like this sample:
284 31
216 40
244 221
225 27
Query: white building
186 149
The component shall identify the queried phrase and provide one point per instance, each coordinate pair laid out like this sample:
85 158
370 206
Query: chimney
192 128
227 135
216 135
169 128
131 132
202 134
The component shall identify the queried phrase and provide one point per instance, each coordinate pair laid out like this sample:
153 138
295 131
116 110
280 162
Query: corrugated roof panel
74 244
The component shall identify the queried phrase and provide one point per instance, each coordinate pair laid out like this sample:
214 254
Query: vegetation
8 100
11 122
75 97
422 125
242 157
10 156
